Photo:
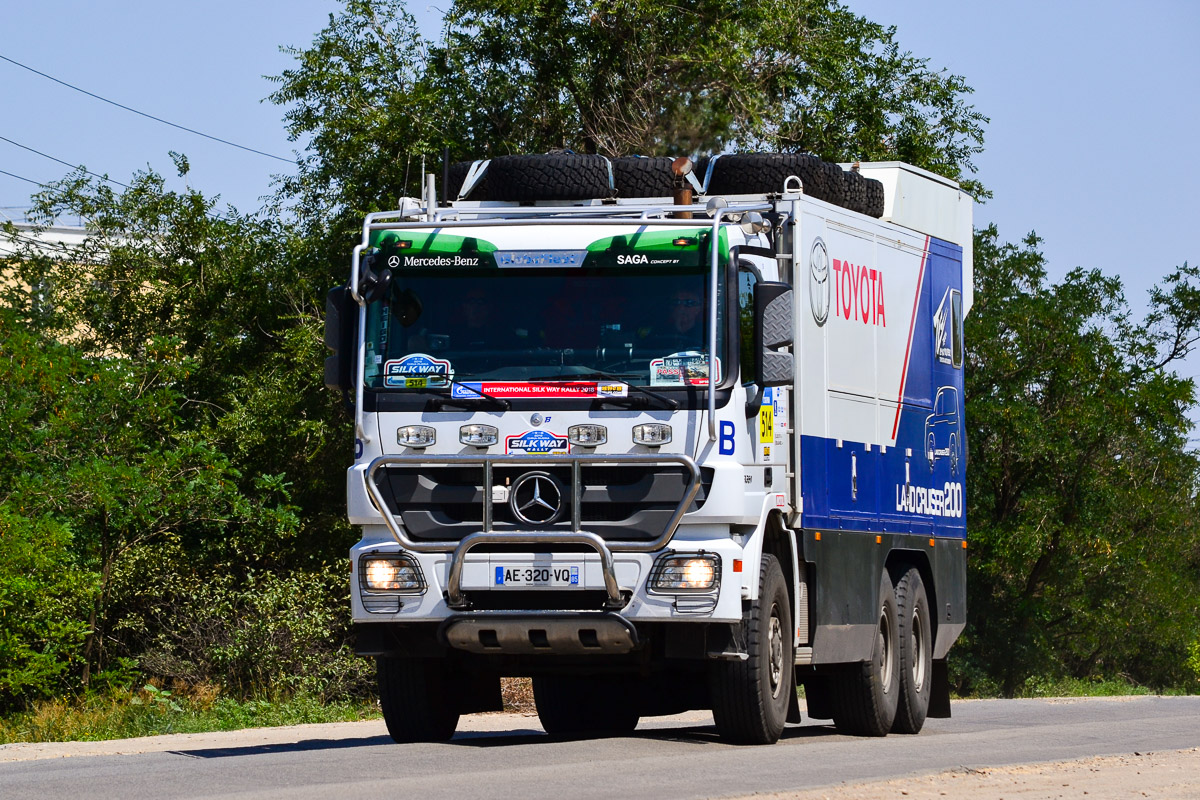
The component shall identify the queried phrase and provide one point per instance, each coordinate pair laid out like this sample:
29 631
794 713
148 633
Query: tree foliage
171 469
165 435
616 77
1082 494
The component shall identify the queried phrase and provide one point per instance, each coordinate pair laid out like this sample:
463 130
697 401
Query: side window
957 335
747 277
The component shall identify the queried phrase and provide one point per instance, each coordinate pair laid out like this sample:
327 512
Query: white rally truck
657 454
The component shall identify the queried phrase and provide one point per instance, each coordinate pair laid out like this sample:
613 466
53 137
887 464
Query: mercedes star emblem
536 498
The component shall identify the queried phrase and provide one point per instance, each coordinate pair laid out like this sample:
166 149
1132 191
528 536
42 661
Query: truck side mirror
773 330
341 336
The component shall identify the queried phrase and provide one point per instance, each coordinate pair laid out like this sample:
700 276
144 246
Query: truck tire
874 203
916 653
577 706
854 191
458 175
560 176
643 177
765 173
750 698
417 699
867 694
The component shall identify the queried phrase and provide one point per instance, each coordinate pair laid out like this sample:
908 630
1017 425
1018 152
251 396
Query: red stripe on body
908 350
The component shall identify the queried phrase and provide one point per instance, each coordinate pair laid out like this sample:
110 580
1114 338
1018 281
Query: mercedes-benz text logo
536 498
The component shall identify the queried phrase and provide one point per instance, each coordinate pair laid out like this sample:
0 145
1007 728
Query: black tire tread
758 173
416 700
913 706
740 708
635 176
558 176
458 175
857 709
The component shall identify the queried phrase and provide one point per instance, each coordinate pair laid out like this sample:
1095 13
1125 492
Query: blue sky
1093 106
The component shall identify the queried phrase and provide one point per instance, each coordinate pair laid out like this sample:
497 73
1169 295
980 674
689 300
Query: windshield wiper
671 404
464 402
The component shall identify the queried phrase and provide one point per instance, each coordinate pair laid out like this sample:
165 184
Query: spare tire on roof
765 173
458 175
854 190
636 176
559 176
861 194
874 203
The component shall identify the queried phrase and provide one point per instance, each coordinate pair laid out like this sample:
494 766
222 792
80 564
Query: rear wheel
417 699
569 705
866 695
750 698
916 653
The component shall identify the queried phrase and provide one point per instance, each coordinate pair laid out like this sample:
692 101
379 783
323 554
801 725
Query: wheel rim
775 652
918 646
884 648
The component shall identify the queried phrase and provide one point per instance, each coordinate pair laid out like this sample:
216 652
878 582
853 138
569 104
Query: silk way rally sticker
416 371
539 389
539 443
682 369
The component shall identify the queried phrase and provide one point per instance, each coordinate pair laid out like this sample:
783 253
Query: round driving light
652 434
416 435
479 435
587 435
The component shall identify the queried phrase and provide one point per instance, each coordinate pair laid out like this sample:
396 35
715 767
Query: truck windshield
624 309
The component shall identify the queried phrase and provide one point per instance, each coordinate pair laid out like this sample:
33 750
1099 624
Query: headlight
689 572
416 436
479 435
390 574
587 435
652 434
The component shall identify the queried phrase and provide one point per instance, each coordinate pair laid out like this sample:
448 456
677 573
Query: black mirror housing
341 336
773 329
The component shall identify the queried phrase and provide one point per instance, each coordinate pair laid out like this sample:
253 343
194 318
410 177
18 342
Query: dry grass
517 694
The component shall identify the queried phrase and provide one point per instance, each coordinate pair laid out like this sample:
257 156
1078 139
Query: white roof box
916 198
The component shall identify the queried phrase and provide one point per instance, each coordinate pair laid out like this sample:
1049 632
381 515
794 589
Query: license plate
525 575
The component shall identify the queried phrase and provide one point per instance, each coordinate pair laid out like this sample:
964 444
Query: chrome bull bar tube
490 536
454 597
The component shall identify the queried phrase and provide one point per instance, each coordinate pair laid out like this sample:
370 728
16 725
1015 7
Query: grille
628 502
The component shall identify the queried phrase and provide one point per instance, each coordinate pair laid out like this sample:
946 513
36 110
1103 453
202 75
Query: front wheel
417 698
750 698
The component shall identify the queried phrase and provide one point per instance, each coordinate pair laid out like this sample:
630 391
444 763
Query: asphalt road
675 761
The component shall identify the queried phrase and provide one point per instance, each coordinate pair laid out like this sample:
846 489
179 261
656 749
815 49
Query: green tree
615 77
168 431
1082 495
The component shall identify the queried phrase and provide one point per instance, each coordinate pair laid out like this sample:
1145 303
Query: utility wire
60 161
21 178
143 113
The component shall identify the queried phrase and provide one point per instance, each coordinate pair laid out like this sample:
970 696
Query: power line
21 178
60 161
143 113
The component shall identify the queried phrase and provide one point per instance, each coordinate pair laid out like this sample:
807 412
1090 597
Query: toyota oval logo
818 282
536 498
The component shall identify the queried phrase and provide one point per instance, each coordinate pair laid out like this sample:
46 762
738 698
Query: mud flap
939 691
793 714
